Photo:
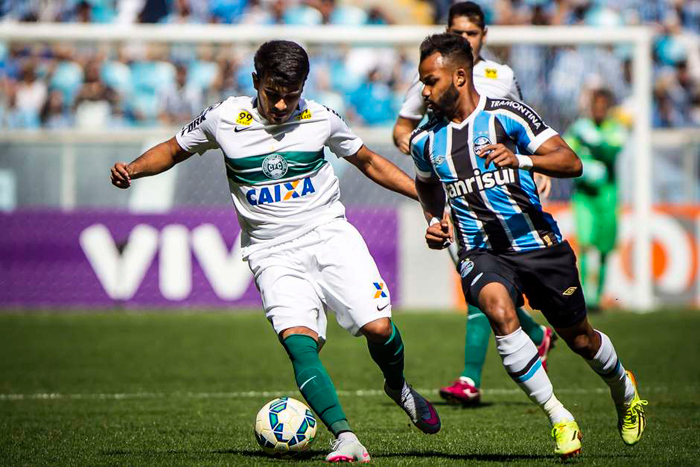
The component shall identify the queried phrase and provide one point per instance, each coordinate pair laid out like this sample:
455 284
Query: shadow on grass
484 457
481 405
306 456
319 455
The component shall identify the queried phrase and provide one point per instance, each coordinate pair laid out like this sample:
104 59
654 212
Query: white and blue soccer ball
285 427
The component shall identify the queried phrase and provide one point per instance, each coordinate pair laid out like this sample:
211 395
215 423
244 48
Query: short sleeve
523 125
413 106
200 134
514 91
419 149
341 139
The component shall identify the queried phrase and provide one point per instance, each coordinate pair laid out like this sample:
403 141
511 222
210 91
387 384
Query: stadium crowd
135 85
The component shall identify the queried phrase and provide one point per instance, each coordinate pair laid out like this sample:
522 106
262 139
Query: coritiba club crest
275 166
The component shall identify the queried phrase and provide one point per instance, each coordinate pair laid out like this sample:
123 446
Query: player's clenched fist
120 175
500 155
439 234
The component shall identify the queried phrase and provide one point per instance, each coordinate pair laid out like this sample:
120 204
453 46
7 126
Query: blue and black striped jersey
496 209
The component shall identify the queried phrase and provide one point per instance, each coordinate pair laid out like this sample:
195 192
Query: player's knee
583 344
496 303
378 330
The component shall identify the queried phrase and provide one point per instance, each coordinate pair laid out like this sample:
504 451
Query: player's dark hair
469 9
450 46
285 62
605 94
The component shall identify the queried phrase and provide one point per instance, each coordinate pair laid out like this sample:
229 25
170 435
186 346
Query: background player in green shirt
597 140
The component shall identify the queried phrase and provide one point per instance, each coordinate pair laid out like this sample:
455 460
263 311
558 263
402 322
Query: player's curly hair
450 46
285 62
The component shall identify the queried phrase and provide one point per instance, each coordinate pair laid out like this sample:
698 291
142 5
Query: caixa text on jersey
280 192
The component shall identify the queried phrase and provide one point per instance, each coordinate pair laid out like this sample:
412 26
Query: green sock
314 383
583 272
530 326
389 357
476 344
601 278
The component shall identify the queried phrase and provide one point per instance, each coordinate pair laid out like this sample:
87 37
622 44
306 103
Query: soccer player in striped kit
494 80
480 154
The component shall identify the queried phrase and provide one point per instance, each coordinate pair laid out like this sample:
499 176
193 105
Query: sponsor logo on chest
480 182
280 192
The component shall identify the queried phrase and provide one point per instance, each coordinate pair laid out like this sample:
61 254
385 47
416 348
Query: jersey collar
479 107
301 106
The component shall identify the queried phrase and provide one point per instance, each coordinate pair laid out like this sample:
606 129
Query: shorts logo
569 291
275 166
380 290
491 73
466 267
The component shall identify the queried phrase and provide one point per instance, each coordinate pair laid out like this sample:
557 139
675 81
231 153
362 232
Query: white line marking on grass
256 394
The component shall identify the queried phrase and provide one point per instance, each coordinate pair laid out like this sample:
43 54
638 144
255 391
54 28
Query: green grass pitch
183 389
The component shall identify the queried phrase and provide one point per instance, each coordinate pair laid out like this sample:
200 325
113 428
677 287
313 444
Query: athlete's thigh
289 296
351 284
478 268
552 284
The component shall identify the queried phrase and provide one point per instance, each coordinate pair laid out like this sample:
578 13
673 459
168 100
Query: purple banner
185 258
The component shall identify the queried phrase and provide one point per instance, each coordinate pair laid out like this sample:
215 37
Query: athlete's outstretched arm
432 198
383 172
154 161
554 158
402 132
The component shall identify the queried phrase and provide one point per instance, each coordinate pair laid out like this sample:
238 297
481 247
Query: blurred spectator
29 97
54 114
227 11
93 104
153 11
179 103
187 11
374 101
551 77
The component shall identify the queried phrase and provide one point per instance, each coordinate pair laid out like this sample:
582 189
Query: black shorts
547 277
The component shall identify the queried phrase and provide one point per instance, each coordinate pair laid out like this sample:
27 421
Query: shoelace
558 431
408 400
630 417
335 444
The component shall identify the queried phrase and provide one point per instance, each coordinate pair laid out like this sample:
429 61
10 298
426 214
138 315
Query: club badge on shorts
275 166
466 267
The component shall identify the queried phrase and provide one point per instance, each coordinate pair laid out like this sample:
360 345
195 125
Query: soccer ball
285 427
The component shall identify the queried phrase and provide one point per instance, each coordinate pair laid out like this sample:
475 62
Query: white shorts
329 268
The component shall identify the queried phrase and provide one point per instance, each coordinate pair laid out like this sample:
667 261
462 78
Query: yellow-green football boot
631 420
567 438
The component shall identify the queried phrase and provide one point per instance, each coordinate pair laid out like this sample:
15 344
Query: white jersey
281 184
491 79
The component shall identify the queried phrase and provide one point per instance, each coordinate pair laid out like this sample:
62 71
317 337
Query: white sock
347 437
523 364
556 412
609 367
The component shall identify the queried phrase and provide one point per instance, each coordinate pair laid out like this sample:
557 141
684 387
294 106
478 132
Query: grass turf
183 389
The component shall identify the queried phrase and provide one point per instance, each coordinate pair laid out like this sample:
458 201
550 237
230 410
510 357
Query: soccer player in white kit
494 80
306 257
